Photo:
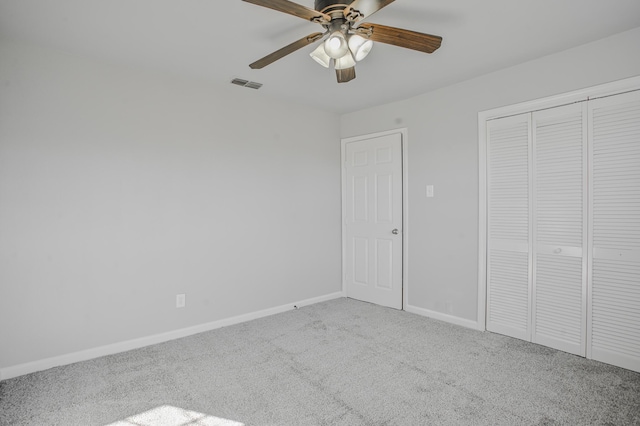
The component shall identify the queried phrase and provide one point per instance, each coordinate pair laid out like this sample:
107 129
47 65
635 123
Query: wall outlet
181 300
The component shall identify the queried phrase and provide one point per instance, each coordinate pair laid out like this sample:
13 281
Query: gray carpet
336 363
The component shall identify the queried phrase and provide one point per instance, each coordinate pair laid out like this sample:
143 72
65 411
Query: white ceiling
216 40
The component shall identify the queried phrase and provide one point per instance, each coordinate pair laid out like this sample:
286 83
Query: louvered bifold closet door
614 326
508 243
559 228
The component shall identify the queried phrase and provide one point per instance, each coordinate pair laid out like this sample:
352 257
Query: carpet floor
341 362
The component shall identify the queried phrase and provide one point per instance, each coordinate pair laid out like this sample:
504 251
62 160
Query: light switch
429 191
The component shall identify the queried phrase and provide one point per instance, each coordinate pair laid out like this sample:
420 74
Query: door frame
404 141
594 92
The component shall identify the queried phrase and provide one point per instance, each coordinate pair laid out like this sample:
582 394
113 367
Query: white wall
120 189
443 151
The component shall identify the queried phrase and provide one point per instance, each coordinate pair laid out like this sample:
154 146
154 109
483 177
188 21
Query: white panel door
373 220
508 226
614 326
559 228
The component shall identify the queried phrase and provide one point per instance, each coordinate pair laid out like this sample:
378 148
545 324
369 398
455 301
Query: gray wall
443 151
120 189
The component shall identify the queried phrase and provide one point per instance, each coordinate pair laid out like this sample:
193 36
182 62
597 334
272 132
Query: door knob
395 232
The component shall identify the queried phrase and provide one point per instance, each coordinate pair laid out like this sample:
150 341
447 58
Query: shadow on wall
167 415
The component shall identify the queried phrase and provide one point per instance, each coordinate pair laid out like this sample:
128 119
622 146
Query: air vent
246 83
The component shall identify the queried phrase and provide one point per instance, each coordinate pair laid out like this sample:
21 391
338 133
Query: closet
563 228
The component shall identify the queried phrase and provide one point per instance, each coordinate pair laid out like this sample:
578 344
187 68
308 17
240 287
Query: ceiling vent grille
246 83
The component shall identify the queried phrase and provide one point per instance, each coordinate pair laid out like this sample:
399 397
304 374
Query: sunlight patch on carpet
167 415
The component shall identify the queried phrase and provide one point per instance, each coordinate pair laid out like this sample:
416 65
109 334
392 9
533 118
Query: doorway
374 223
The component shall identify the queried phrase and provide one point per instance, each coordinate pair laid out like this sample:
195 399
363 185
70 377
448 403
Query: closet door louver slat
508 255
614 324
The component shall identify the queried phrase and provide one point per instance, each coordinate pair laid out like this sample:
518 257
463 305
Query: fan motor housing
321 5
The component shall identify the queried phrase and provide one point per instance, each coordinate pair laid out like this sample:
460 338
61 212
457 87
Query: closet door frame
599 91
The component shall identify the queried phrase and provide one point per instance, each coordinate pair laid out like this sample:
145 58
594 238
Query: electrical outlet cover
181 301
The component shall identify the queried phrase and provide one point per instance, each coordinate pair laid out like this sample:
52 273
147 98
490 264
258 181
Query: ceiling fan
347 39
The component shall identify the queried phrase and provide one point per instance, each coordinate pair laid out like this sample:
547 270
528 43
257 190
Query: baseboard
44 364
444 317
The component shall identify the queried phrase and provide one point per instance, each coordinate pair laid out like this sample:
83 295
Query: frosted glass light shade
320 56
345 62
336 45
360 46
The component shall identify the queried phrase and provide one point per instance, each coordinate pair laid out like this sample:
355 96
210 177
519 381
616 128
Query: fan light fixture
345 51
345 62
359 46
336 45
320 56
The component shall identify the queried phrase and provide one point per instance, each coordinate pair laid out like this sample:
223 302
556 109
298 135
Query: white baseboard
444 317
44 364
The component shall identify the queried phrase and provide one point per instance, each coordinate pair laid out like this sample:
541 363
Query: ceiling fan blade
346 75
362 9
278 54
294 9
398 37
